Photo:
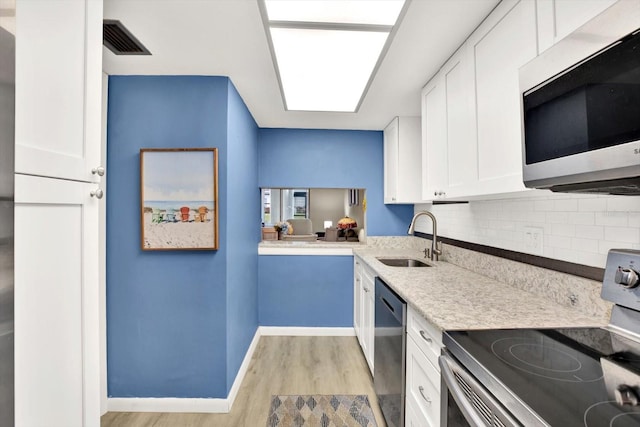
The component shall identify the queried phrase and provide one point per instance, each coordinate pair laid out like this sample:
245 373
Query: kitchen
179 325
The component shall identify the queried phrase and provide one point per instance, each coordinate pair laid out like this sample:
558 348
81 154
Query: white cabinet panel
500 47
423 384
368 316
427 337
57 381
58 87
402 160
358 299
413 416
449 136
364 310
559 18
434 138
391 162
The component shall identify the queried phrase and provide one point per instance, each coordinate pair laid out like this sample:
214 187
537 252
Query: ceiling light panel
370 12
323 70
327 51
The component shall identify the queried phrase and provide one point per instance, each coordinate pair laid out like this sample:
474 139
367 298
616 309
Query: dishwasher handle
471 414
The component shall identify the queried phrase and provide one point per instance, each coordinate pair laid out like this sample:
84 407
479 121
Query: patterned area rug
321 411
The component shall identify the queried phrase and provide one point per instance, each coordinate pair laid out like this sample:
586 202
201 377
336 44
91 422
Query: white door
58 87
57 363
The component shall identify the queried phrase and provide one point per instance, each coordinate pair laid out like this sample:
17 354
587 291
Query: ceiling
227 38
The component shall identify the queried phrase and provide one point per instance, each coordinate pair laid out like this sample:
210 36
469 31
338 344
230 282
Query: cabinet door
434 139
391 162
461 151
423 384
358 298
558 18
505 42
57 362
58 87
368 315
409 184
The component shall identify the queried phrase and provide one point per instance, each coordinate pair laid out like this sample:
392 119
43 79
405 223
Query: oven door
465 402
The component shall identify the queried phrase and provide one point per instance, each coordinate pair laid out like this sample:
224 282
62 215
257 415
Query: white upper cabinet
58 88
472 139
558 18
402 160
448 130
501 45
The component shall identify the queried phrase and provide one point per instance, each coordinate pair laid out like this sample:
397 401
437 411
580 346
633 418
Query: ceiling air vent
119 40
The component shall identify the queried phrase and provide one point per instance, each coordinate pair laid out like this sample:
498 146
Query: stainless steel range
583 377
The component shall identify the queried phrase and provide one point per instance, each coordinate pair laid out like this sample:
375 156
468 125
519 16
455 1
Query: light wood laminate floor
280 365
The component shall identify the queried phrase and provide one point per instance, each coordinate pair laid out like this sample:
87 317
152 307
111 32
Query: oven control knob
627 277
626 395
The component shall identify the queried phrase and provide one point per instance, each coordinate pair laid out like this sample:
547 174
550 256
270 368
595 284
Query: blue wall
167 311
303 290
243 211
332 159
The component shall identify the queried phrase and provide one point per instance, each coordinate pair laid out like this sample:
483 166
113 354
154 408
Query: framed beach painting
179 199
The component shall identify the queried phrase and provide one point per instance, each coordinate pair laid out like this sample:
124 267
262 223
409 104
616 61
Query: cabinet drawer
413 417
423 385
427 337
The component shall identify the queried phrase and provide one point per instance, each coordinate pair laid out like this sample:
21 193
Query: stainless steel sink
402 262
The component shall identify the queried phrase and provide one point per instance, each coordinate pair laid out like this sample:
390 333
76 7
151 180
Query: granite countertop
452 297
309 244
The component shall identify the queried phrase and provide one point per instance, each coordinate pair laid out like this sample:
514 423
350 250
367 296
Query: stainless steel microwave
581 108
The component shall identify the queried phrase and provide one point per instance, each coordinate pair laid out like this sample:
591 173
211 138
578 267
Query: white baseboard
244 368
301 331
211 405
167 404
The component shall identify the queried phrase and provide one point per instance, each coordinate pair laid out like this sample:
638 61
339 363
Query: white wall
577 228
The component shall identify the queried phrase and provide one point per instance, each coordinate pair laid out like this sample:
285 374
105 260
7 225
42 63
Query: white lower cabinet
57 348
422 375
363 310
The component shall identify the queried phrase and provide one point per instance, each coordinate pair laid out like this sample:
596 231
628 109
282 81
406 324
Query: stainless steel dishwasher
389 353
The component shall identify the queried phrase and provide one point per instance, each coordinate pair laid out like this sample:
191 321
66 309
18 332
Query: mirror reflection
309 214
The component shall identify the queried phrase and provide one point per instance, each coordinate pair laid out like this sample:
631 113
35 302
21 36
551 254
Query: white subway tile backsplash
592 204
568 230
558 217
561 242
622 234
618 219
590 231
623 204
582 218
565 205
543 205
584 245
605 245
576 228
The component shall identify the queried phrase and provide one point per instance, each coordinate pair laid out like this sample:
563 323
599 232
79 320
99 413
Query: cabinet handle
98 171
421 389
425 337
98 193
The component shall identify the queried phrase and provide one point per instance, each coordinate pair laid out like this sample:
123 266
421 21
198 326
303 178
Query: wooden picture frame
179 199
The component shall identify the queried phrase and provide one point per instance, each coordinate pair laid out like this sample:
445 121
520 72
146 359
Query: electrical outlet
533 240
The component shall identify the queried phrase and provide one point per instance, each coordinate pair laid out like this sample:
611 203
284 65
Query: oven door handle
471 414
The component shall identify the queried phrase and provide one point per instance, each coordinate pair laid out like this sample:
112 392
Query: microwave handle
470 413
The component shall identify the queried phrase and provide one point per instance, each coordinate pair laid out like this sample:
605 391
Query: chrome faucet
434 252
